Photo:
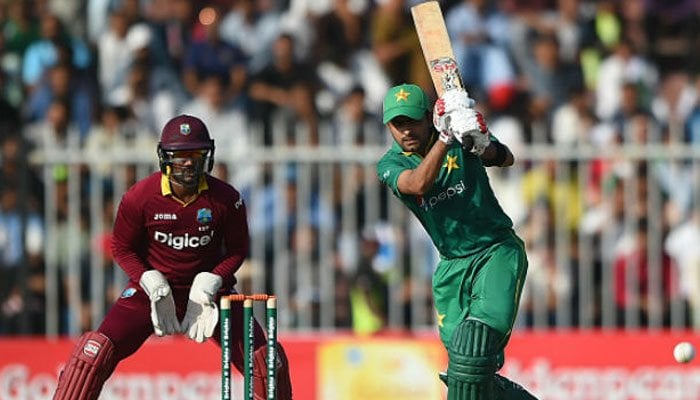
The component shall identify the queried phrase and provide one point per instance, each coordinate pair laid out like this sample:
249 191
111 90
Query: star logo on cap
185 129
402 95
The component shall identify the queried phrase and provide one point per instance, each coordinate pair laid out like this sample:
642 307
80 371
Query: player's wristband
500 158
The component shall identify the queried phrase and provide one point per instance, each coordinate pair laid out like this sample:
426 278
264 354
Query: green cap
407 100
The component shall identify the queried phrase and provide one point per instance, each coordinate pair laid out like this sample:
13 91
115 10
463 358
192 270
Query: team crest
185 129
128 292
204 216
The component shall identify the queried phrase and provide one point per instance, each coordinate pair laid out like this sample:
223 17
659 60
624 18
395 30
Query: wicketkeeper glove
202 314
163 313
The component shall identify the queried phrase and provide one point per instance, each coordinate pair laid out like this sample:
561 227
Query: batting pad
283 384
87 369
473 361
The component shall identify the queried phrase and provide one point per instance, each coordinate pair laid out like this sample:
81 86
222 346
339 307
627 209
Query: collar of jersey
397 148
165 185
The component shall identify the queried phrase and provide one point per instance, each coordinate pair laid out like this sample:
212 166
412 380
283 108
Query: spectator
115 136
211 55
9 106
481 44
570 121
56 45
21 241
681 245
343 57
55 132
549 78
692 123
17 225
624 64
369 292
395 45
172 26
118 48
635 297
673 102
65 84
286 87
634 21
672 26
548 284
149 101
251 19
19 29
631 104
555 185
353 125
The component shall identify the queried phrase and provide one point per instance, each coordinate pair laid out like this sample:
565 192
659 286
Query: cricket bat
437 50
436 46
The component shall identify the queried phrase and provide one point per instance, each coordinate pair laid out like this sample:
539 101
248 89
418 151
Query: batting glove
441 123
481 135
163 313
457 99
202 314
451 102
470 129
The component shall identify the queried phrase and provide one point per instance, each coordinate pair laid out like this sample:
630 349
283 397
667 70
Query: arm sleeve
237 241
128 238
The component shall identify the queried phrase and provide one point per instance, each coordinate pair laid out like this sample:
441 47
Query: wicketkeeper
180 235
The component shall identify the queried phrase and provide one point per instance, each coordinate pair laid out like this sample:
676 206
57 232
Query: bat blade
436 46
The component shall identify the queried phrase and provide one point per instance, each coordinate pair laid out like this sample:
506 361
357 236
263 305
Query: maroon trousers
128 324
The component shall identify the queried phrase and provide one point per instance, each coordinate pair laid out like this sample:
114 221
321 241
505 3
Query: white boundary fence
310 207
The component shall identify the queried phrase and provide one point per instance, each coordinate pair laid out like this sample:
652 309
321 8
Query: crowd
580 76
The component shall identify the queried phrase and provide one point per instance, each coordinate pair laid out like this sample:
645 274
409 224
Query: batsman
180 235
436 167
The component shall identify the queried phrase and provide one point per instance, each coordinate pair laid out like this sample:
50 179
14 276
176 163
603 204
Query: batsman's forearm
497 155
418 181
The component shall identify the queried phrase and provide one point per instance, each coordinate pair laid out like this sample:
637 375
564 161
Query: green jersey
460 212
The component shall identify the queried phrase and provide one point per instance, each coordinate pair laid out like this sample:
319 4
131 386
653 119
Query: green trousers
485 286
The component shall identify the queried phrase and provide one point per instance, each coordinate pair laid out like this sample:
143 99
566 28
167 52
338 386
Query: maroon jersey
154 230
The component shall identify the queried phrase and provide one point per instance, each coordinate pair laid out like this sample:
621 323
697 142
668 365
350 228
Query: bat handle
467 143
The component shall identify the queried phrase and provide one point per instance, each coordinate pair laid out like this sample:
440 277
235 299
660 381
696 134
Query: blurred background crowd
598 99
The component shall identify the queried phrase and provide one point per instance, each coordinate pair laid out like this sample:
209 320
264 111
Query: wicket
248 343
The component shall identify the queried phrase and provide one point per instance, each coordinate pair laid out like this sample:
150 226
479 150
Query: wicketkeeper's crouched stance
478 281
180 235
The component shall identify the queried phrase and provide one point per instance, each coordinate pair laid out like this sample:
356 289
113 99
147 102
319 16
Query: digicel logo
182 241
